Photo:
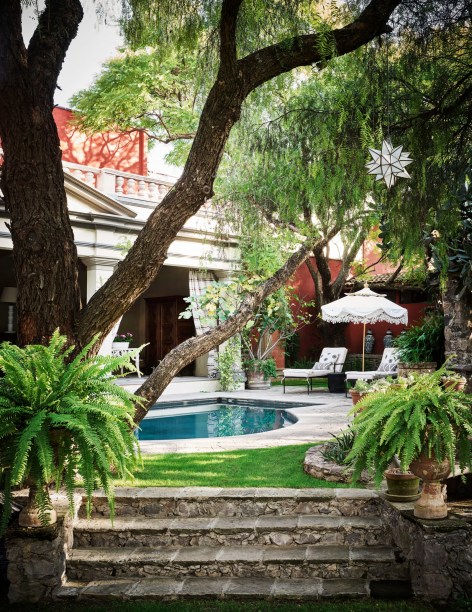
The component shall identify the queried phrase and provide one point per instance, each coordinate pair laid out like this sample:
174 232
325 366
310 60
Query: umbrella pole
363 347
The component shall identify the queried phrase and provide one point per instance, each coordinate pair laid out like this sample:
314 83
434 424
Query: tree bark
32 178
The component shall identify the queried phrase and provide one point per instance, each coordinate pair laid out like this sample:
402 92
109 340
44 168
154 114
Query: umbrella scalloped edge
368 320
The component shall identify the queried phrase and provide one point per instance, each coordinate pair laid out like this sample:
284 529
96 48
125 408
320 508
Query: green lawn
230 606
267 467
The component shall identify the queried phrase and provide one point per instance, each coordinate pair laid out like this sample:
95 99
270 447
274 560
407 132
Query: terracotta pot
431 504
256 380
422 367
402 486
454 385
356 396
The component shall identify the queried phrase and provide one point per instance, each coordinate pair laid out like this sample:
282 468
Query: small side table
337 382
124 351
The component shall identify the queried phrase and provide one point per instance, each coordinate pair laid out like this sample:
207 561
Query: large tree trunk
44 253
32 178
458 329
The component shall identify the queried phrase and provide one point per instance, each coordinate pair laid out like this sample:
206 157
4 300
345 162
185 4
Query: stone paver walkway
322 415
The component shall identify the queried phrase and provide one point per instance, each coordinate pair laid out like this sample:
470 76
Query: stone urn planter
431 504
29 515
422 367
256 380
402 486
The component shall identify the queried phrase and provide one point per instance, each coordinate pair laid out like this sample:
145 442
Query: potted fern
421 347
426 426
61 416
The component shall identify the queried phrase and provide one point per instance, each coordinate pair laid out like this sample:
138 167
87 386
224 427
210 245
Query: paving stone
297 589
196 554
107 589
318 522
295 554
254 588
225 525
371 553
155 588
355 494
344 588
248 554
327 554
186 525
368 522
276 522
204 587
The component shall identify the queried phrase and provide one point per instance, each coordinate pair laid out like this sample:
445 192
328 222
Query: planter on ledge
431 504
402 486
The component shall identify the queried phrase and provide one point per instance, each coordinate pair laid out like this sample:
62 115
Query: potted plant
425 426
359 390
61 416
421 347
259 372
454 381
122 341
402 485
275 320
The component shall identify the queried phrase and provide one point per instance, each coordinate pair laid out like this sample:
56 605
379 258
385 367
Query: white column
99 271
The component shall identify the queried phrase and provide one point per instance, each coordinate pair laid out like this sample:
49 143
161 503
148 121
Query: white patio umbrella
364 306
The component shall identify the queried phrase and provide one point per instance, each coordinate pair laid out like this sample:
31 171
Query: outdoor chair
388 367
331 361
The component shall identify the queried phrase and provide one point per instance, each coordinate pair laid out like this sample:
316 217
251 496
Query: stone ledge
317 466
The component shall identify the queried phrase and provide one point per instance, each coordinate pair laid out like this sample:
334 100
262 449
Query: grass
267 467
319 383
232 606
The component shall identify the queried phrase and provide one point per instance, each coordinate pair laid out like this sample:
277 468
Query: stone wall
439 552
37 556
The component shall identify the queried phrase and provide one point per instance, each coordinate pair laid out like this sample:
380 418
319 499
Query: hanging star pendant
389 163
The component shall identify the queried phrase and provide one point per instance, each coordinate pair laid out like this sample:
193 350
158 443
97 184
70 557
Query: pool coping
320 415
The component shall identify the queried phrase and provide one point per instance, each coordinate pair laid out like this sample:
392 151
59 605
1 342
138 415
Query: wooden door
165 330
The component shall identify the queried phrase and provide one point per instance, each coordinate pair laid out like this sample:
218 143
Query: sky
96 41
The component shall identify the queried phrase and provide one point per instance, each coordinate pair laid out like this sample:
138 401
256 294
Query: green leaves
423 417
62 418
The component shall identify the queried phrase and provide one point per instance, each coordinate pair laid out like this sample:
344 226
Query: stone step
227 588
215 531
374 562
162 502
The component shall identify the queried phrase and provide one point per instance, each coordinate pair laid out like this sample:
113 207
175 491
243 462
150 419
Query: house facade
108 206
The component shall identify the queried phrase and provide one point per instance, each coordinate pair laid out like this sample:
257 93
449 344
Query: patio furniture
331 360
388 367
119 352
336 382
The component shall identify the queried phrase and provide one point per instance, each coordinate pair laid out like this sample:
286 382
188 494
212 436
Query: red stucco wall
125 152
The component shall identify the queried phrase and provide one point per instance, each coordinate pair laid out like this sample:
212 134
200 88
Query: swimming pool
221 417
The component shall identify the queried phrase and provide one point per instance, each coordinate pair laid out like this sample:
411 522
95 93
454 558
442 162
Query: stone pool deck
322 415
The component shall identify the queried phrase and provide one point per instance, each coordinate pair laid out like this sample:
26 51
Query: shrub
63 416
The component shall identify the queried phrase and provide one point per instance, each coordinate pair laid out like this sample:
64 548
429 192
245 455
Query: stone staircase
299 544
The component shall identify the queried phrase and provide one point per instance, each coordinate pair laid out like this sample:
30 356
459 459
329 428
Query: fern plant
62 417
422 417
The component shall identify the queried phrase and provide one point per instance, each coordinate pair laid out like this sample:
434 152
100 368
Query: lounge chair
331 360
388 367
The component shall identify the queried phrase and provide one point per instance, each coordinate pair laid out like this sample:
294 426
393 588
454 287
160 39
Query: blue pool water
211 420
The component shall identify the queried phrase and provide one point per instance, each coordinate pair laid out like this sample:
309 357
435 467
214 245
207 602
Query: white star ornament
389 163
